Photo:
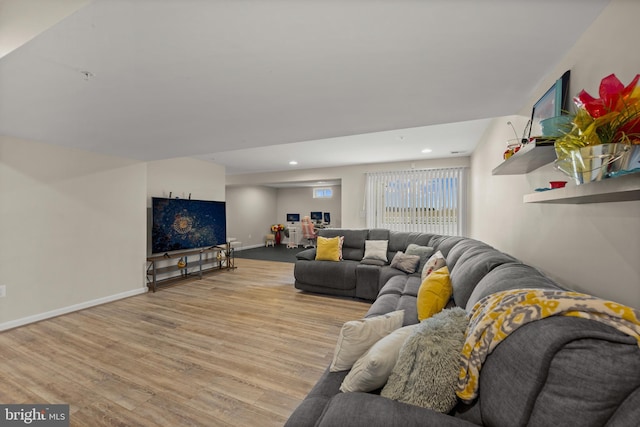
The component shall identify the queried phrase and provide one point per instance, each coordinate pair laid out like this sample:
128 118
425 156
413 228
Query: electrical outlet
249 236
3 291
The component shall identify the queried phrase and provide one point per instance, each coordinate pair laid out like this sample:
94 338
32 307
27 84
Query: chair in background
270 240
308 232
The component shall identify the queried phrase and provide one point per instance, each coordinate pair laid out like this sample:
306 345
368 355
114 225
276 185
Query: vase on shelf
278 237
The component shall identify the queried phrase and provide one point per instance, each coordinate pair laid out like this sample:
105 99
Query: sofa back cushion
474 264
444 243
561 371
509 276
353 246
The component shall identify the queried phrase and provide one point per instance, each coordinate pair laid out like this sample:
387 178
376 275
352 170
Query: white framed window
428 201
322 193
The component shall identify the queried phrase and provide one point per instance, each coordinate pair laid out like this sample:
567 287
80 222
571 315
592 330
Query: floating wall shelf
621 189
530 157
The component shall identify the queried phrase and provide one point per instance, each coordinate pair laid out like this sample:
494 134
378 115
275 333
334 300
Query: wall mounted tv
180 224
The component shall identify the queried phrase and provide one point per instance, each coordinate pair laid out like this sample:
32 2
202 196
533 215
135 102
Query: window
430 201
322 193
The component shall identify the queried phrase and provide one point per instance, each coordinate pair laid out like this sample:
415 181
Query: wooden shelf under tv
222 257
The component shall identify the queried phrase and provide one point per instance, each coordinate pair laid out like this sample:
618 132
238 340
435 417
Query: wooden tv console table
196 261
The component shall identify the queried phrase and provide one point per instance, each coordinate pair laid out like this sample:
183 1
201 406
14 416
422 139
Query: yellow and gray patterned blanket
494 317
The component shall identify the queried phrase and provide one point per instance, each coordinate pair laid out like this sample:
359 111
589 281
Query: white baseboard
249 247
64 310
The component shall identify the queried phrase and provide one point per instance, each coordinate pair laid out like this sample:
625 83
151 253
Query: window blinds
428 201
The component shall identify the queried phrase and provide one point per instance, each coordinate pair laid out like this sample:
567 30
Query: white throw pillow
357 336
436 262
376 249
371 371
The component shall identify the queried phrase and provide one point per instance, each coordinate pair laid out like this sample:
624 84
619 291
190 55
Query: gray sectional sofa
560 371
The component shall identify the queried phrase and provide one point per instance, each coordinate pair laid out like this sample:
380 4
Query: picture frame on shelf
553 103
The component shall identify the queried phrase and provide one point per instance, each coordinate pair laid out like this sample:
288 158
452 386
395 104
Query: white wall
352 178
183 176
72 232
592 248
300 200
251 210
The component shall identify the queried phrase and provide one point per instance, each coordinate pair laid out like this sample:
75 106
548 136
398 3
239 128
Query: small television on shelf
182 224
316 216
327 217
293 217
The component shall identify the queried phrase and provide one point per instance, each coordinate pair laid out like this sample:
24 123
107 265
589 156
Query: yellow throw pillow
434 293
328 249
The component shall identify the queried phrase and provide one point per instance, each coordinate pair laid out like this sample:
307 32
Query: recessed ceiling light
427 150
293 163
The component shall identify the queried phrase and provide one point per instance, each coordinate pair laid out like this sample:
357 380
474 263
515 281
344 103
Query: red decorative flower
614 97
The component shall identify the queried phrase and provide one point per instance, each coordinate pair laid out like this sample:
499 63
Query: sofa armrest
367 278
308 254
367 410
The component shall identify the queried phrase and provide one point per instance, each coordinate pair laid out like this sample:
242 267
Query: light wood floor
237 348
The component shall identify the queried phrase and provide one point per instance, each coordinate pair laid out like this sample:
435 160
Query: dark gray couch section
555 371
560 371
365 279
335 278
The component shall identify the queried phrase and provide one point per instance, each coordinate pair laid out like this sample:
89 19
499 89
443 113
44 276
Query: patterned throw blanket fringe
494 317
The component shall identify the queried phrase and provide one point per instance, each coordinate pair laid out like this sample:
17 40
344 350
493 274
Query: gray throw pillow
424 252
405 263
426 373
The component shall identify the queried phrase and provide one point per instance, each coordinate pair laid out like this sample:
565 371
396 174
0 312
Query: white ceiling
252 84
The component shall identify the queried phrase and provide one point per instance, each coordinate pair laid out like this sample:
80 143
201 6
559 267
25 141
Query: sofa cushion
308 254
426 373
371 410
327 274
357 336
399 293
559 371
471 267
378 234
463 247
434 293
444 243
310 410
372 369
353 246
508 276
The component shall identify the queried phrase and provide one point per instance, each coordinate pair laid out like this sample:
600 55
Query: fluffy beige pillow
357 336
371 371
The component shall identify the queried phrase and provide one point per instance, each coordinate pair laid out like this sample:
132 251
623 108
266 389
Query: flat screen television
293 217
316 216
181 224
